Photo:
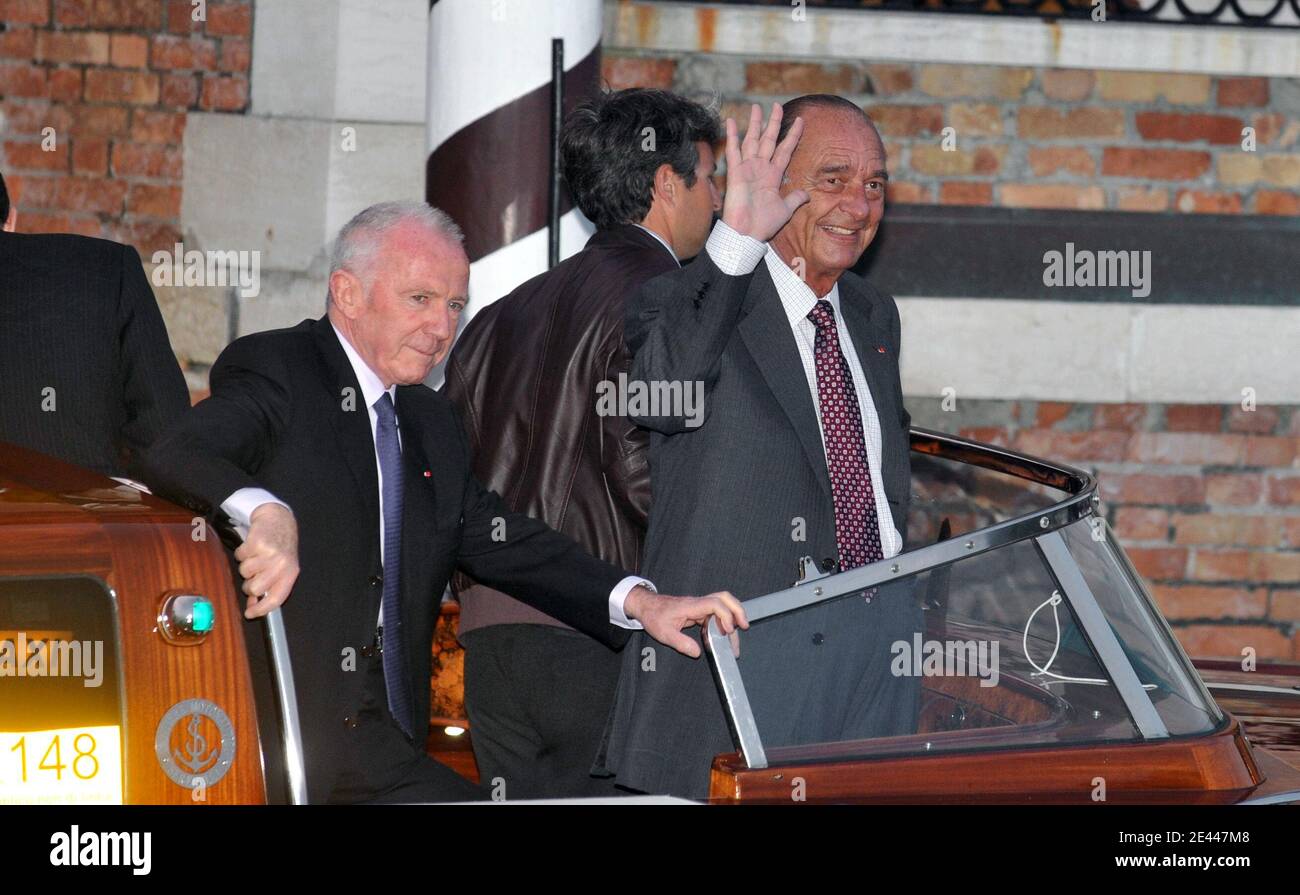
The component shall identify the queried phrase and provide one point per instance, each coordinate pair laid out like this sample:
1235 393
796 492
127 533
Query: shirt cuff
240 506
734 254
618 596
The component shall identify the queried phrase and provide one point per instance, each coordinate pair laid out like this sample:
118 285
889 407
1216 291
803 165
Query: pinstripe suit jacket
87 372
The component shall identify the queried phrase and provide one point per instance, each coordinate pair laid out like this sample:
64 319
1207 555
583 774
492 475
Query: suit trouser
538 697
384 765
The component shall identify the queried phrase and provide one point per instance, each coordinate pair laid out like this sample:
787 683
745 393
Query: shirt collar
661 241
797 298
371 385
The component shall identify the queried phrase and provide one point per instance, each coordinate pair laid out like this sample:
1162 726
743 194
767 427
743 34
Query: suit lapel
877 366
767 334
350 419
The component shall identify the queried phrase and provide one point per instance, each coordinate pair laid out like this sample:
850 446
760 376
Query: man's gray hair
360 238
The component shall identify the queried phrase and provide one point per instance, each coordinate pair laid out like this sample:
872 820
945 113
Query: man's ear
348 293
666 183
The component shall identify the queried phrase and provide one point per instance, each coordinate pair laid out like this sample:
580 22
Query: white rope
1054 600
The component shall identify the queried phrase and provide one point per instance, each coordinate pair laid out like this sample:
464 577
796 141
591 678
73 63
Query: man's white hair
359 240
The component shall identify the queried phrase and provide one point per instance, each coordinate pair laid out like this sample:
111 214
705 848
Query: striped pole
489 125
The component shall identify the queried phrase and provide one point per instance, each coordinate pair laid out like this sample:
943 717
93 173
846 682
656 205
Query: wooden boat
1107 707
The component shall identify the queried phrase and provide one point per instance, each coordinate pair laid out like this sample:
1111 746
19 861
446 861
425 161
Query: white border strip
828 34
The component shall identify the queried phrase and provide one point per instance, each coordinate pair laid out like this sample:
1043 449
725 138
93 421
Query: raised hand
754 205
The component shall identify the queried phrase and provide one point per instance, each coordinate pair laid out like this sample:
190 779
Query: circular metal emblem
195 743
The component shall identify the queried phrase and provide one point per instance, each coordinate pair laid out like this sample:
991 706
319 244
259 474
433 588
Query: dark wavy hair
4 200
612 145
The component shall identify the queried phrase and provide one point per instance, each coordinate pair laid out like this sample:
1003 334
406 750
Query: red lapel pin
880 348
427 474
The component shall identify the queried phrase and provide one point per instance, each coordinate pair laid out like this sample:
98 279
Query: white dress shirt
240 505
736 255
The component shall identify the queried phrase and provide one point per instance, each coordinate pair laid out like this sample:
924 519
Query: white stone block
1209 353
259 184
995 348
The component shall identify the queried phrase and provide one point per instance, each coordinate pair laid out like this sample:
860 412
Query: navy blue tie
390 464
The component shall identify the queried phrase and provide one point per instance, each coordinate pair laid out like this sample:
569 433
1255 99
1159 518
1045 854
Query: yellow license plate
71 766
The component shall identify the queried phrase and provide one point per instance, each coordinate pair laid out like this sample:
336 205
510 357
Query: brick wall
1035 137
115 80
1205 499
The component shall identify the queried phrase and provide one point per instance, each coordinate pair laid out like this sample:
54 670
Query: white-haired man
353 480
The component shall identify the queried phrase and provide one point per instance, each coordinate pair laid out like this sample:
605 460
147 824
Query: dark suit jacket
524 376
279 418
730 496
77 315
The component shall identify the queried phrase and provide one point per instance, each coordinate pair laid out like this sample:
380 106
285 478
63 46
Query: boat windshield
1013 618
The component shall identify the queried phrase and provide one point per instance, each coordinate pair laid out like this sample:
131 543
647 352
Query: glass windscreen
1160 663
950 498
982 653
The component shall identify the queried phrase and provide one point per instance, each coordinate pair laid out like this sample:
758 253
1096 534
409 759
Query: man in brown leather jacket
528 376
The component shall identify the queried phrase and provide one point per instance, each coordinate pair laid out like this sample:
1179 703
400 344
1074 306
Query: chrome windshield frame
286 692
287 697
1042 526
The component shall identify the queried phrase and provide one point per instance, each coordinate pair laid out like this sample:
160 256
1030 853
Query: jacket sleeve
216 447
527 559
678 326
153 388
624 446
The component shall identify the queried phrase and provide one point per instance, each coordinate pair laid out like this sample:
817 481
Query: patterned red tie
857 528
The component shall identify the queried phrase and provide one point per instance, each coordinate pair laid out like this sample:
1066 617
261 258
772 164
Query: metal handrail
287 697
286 694
1082 502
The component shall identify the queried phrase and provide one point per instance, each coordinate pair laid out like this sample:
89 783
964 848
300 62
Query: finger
269 580
258 584
749 147
728 611
794 199
733 147
253 605
781 157
734 637
767 145
683 644
737 608
250 567
243 551
722 612
275 592
258 607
